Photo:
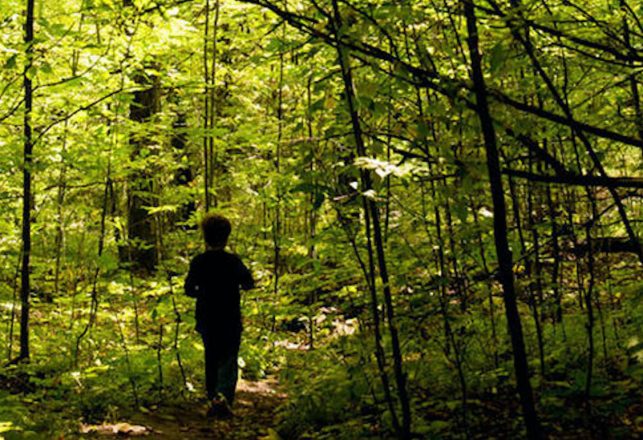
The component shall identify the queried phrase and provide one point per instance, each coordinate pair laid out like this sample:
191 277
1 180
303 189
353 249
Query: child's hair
216 230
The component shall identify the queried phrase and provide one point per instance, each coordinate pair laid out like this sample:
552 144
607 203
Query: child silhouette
214 279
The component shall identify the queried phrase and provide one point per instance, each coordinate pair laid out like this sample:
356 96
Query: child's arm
245 277
191 285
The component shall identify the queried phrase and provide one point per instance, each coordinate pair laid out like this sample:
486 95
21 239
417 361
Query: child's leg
228 372
211 361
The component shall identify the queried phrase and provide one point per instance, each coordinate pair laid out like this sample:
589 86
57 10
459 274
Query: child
214 279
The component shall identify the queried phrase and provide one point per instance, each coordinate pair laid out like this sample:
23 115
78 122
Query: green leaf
497 56
46 68
11 62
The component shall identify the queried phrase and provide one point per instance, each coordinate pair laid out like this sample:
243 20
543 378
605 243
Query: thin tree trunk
533 305
634 87
177 329
616 323
276 226
212 166
389 138
555 271
93 309
369 275
505 260
159 361
589 293
488 286
372 209
311 212
207 109
14 298
27 195
536 286
59 241
128 362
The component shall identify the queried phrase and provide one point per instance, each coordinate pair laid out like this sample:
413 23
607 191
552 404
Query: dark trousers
221 368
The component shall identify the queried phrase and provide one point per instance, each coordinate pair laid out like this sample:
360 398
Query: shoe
219 409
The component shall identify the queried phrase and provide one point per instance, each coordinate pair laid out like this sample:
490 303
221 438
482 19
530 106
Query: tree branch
570 179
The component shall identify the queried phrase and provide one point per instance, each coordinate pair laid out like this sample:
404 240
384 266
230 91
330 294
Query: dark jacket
214 279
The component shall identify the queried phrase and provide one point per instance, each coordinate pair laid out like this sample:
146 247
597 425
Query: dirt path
254 410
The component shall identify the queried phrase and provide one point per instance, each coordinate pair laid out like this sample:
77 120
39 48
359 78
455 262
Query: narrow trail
255 408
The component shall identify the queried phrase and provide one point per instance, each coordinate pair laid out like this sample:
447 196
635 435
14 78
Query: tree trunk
142 241
372 209
26 185
183 175
503 252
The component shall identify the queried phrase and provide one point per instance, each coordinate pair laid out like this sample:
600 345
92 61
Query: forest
440 201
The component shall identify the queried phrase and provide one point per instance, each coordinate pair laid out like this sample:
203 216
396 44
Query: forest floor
254 409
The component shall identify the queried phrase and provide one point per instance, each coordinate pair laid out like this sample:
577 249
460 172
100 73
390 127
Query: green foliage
329 403
14 417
